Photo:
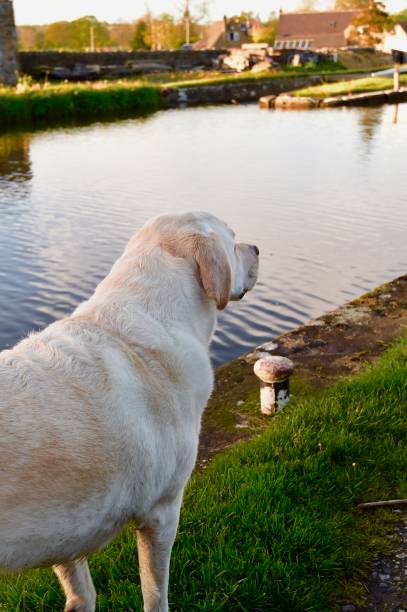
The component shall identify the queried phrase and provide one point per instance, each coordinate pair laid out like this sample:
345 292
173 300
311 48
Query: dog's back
75 446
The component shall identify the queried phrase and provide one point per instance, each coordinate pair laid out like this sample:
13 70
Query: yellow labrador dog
100 413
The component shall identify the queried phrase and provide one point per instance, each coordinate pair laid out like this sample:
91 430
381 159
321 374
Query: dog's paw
79 606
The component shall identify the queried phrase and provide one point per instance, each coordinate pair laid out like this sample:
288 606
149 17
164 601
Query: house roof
312 24
211 35
403 24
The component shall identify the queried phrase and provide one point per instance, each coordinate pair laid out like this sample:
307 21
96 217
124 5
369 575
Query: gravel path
387 582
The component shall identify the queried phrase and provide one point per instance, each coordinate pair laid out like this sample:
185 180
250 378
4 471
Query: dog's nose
255 249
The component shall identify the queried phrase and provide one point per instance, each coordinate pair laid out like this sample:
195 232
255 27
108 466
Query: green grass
271 524
38 103
75 102
344 88
216 78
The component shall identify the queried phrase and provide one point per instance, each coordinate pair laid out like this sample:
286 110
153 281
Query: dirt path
387 582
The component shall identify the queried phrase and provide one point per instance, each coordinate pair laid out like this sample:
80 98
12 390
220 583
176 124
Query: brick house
226 34
316 30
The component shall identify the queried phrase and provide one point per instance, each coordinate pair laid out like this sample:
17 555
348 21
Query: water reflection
370 119
15 163
330 221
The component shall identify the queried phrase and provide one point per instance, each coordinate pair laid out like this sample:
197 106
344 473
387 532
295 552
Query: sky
46 11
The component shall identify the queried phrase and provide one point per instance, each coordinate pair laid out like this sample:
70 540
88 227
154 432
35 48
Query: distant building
316 30
227 34
395 42
8 44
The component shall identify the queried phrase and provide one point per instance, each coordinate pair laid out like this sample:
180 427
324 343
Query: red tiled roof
211 35
311 24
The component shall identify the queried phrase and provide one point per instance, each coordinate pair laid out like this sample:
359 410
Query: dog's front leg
154 543
76 581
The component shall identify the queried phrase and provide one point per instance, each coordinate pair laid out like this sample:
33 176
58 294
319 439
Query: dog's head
226 270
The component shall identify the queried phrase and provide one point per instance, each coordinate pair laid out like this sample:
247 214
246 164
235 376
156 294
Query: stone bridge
8 44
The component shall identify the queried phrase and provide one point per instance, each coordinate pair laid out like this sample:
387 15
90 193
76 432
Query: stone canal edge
336 345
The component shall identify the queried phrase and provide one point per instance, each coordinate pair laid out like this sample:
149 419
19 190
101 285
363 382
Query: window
277 44
304 44
234 36
297 44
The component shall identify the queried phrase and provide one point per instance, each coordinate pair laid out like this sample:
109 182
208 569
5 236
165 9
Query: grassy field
344 88
75 102
271 524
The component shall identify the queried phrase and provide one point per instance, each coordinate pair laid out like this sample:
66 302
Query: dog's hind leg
76 581
154 543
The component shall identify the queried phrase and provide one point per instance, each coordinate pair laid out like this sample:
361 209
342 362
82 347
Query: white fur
100 413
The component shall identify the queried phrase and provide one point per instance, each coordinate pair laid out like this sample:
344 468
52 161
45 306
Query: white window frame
234 36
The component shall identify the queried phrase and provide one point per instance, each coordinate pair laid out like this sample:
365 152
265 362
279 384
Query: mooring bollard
274 374
396 78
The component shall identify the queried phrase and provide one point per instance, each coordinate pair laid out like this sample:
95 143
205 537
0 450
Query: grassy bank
35 103
344 88
271 524
216 78
75 102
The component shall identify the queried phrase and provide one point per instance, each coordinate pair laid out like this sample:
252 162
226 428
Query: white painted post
396 77
274 374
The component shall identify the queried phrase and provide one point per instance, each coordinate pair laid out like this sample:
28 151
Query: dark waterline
322 193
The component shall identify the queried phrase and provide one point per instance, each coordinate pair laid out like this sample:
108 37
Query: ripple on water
322 194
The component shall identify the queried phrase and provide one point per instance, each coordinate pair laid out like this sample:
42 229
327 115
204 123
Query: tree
246 16
402 16
351 4
79 34
58 35
192 13
308 6
88 31
166 33
372 23
39 40
141 37
121 34
267 32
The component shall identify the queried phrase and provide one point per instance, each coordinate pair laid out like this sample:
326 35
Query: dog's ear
214 268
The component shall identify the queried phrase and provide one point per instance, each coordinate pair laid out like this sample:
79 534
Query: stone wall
8 44
34 62
231 92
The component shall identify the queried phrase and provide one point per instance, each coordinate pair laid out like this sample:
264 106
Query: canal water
322 193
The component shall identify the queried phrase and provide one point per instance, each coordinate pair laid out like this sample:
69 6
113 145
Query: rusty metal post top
273 369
